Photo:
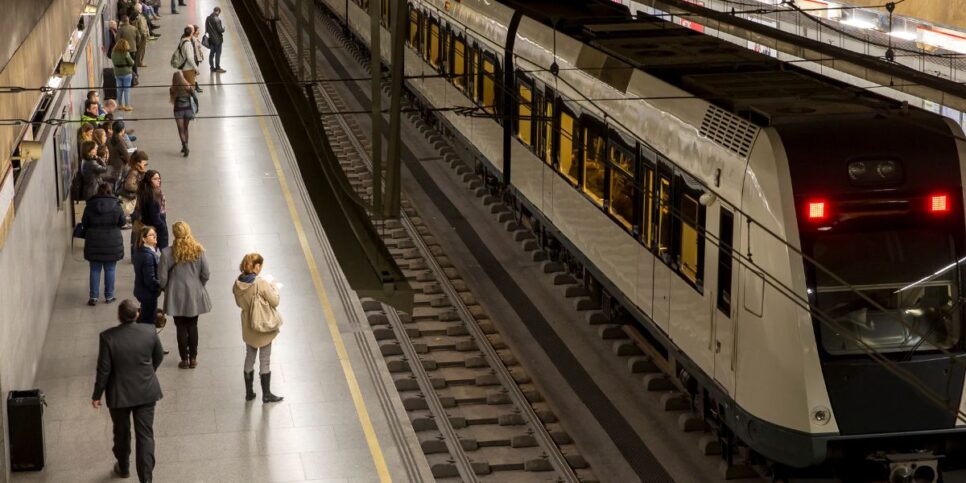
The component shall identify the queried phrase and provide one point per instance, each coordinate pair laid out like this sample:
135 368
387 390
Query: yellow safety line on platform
374 448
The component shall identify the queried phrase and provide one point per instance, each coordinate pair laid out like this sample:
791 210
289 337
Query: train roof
752 85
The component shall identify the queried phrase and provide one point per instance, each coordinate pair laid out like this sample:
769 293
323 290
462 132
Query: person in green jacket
123 73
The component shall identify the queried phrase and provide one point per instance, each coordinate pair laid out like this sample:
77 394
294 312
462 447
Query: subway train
790 244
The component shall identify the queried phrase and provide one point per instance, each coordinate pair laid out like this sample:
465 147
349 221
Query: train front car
879 201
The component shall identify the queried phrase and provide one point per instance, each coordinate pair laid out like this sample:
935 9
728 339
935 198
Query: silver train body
787 160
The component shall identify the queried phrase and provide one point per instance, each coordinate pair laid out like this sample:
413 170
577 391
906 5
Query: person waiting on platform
199 53
183 274
147 287
189 55
127 360
144 33
120 147
123 73
92 170
258 298
100 137
131 179
94 96
185 102
215 30
92 112
103 245
150 209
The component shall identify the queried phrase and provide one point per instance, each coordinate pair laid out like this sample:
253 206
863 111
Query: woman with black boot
258 299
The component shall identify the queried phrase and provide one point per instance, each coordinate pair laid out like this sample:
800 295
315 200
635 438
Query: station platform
240 190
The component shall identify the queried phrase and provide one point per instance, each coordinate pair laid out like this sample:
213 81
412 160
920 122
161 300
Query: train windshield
911 274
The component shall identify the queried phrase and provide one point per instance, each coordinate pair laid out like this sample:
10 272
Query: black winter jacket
103 219
151 215
93 172
146 283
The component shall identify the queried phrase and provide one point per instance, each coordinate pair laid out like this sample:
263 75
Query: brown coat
244 294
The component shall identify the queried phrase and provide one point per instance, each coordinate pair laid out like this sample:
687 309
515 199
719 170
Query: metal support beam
509 95
375 68
398 22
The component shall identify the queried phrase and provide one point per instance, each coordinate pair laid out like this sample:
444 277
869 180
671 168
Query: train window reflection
648 198
911 274
621 185
622 198
664 218
547 123
568 167
413 27
524 114
424 38
593 164
488 89
689 238
459 64
434 45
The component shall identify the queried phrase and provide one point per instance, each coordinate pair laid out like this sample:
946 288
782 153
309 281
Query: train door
723 341
663 225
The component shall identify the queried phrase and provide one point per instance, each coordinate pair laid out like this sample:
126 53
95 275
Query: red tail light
816 210
939 203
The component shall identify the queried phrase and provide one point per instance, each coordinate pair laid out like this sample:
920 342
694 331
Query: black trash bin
25 420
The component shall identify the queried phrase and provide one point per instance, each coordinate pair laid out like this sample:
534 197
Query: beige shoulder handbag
265 318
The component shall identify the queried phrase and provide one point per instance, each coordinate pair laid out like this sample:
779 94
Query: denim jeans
214 55
174 6
124 89
109 270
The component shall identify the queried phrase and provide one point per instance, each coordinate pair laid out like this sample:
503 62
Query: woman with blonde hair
123 73
184 273
258 298
185 102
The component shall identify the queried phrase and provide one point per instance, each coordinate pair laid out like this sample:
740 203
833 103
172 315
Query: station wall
38 240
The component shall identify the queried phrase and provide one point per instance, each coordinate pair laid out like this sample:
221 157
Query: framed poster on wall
64 143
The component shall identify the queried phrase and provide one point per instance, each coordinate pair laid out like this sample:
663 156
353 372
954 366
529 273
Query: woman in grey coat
183 275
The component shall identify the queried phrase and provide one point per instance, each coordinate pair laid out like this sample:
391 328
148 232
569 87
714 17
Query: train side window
424 37
434 39
647 197
546 130
473 69
664 218
622 190
725 261
566 147
594 171
488 87
524 112
413 27
689 238
459 63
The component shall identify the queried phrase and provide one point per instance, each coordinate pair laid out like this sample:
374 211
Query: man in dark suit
127 360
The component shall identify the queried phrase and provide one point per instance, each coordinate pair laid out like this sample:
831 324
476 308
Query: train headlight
821 415
875 172
886 169
857 170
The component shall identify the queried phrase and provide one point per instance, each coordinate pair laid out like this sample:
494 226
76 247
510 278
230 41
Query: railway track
477 413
